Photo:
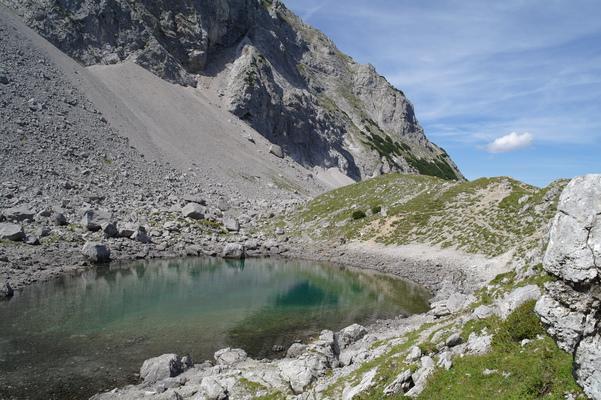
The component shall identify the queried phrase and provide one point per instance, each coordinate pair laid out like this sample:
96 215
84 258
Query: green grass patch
539 370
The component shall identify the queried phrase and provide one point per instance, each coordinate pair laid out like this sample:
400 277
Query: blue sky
526 73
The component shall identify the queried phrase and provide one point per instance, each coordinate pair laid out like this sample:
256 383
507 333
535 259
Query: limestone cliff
571 305
284 78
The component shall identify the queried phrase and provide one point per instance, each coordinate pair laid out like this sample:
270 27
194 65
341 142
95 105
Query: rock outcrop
284 78
570 307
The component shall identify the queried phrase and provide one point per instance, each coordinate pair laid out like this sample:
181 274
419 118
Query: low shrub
358 214
376 209
521 324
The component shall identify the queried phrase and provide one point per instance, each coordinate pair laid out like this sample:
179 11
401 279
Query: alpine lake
90 332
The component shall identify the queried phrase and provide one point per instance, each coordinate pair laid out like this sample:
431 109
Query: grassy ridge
488 215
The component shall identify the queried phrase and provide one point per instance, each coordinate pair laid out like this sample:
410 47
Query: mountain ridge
284 78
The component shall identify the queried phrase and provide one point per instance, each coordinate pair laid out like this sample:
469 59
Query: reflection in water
83 334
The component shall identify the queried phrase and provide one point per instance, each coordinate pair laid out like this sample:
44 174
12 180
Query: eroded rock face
286 79
570 306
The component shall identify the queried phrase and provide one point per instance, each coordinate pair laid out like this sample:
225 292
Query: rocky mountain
263 64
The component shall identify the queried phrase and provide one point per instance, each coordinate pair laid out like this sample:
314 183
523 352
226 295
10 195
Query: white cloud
510 142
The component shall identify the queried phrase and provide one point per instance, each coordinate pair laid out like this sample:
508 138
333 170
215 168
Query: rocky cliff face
571 305
284 78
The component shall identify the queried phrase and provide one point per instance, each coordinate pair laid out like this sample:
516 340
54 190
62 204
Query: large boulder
6 291
276 151
233 251
229 356
161 367
18 214
350 335
575 238
11 232
231 224
94 220
588 365
569 308
96 252
516 298
193 211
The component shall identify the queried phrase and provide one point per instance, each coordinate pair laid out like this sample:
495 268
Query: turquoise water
86 333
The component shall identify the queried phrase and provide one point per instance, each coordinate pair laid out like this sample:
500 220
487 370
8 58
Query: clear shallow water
83 334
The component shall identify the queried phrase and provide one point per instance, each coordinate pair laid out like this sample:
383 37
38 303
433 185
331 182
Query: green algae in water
87 333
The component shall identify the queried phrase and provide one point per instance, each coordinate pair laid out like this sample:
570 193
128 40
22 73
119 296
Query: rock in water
570 306
161 367
11 232
6 291
234 251
96 252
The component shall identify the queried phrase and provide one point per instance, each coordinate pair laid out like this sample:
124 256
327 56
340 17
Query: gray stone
350 335
456 302
415 354
454 340
109 229
575 237
516 298
18 214
300 373
478 344
11 232
212 389
483 311
162 367
401 384
93 220
96 252
195 199
229 356
564 325
141 236
234 251
32 240
588 366
59 219
6 291
445 361
295 350
231 224
276 151
193 211
127 230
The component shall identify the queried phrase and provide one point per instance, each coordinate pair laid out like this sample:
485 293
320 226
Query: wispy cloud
510 142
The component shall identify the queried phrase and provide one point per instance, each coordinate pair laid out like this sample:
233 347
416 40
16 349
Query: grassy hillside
488 215
513 369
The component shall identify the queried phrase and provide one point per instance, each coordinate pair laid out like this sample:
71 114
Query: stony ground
67 178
